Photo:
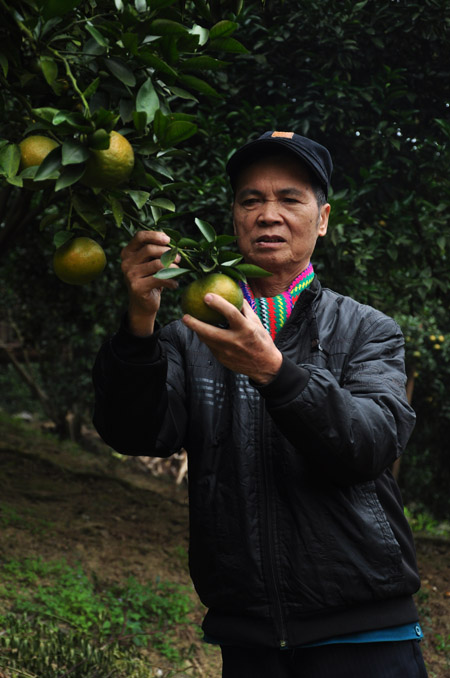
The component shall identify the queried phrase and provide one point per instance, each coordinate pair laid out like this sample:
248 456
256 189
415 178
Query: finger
204 330
147 269
218 303
142 238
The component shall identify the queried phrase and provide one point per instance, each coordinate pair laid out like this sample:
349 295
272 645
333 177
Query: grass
423 522
59 621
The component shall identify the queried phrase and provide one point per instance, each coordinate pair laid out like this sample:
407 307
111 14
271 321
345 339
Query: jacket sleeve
354 429
139 395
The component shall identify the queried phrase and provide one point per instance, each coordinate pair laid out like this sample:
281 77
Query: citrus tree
91 111
98 101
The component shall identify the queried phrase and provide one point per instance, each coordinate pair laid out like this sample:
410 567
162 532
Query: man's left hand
245 346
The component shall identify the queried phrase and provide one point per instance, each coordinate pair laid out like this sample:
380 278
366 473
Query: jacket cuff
288 383
129 348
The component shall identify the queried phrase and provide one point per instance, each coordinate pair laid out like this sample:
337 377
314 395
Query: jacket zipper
273 586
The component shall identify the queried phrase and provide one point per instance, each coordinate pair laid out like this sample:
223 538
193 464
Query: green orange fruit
33 150
79 261
216 283
110 167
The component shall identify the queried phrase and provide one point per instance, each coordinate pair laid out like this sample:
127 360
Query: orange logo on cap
286 135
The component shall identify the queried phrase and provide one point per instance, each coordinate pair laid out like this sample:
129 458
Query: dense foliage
74 71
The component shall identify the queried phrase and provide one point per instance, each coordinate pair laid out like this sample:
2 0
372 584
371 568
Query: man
291 418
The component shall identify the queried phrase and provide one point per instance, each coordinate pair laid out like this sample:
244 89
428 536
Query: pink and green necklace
274 311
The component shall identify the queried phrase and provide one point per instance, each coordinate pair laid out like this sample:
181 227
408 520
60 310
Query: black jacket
297 530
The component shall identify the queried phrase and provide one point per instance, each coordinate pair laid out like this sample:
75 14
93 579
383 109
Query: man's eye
250 202
290 201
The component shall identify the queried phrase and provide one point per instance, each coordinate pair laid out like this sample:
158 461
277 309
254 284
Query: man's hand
140 261
245 347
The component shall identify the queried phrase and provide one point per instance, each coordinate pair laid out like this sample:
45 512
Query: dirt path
117 521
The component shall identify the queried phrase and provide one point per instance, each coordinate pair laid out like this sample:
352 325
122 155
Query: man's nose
269 212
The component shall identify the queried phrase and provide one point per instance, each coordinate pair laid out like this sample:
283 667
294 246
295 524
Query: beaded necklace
274 311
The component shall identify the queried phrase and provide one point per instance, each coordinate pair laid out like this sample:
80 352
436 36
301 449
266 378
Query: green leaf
223 240
139 197
158 167
166 27
91 89
173 235
228 45
150 59
105 118
9 160
73 153
198 84
156 213
70 175
182 93
121 72
49 69
205 229
75 120
187 242
61 237
117 210
253 271
169 257
231 262
442 241
222 29
49 166
15 181
140 120
45 113
201 33
147 100
100 140
98 37
164 203
177 132
234 273
90 212
166 273
4 64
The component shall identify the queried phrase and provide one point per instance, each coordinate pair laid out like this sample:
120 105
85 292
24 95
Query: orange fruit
79 261
111 167
34 149
217 283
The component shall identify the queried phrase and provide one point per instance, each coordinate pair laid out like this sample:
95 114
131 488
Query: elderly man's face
276 216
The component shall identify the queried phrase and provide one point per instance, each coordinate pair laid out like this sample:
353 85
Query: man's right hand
141 259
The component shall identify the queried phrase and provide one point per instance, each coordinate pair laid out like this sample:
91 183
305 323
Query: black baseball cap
316 157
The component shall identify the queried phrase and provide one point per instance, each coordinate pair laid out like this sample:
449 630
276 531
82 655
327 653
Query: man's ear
323 219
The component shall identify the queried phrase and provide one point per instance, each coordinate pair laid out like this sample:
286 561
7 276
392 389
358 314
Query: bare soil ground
118 521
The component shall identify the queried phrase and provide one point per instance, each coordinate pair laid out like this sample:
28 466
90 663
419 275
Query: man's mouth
270 238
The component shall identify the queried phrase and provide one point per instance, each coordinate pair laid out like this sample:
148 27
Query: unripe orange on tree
111 167
33 150
216 283
79 261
